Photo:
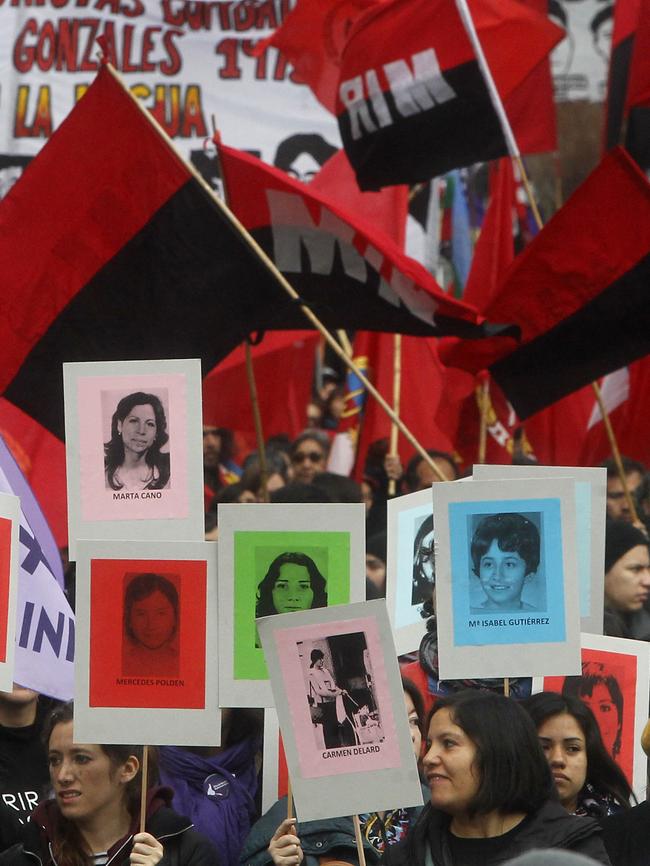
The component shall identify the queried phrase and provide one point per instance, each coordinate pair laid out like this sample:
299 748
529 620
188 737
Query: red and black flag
336 261
413 102
112 248
580 290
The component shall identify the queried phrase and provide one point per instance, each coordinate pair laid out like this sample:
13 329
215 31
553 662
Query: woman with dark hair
424 568
292 582
588 780
151 620
132 458
492 795
600 691
93 818
333 839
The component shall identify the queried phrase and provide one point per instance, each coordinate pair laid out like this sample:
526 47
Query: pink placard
97 400
352 655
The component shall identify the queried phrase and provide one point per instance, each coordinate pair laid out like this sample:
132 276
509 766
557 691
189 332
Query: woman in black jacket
492 795
94 816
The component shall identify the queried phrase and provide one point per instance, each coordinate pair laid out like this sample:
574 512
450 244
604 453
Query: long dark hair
68 845
594 674
422 586
603 773
114 448
142 586
265 606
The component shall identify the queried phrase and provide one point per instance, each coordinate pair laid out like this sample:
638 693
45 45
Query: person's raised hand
284 847
147 850
393 467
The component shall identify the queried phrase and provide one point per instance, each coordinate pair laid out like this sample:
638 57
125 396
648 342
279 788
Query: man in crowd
617 505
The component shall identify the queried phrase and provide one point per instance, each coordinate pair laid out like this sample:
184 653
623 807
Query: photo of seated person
505 553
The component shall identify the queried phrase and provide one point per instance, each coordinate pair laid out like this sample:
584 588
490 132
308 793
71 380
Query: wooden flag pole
359 840
506 687
279 277
143 787
289 799
257 420
397 387
484 399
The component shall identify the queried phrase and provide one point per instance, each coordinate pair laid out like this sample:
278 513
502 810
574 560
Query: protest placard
340 707
146 670
133 450
279 559
590 500
506 578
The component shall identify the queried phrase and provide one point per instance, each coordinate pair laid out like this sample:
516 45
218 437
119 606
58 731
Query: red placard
126 670
608 687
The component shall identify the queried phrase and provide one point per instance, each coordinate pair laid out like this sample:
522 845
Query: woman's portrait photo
134 458
424 567
150 644
600 690
292 582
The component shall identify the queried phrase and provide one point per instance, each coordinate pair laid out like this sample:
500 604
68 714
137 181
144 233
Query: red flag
283 364
637 138
578 291
412 102
386 210
312 37
494 250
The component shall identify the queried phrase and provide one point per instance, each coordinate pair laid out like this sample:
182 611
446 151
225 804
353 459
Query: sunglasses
313 456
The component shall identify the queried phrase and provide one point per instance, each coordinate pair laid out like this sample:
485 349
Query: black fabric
24 773
627 836
550 827
637 136
609 332
619 68
452 134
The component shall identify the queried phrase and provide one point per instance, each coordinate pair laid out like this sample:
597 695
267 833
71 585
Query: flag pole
513 150
397 388
483 394
143 787
281 279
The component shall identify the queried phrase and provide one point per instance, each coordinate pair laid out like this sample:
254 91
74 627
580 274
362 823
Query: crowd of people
552 783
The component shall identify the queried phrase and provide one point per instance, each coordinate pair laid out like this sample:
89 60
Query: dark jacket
183 846
329 836
550 827
627 836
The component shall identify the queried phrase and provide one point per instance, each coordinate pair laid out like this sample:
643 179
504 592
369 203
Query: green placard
254 553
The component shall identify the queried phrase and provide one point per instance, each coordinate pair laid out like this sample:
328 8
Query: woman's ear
129 769
119 428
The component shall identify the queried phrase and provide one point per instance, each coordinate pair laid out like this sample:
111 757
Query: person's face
376 571
449 765
414 725
86 786
138 430
502 574
427 560
319 663
367 495
603 39
617 505
304 168
426 476
292 590
153 620
211 447
627 583
308 460
606 712
566 752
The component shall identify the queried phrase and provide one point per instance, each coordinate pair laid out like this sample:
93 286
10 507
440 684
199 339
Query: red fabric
494 250
47 253
312 37
557 434
424 381
41 458
385 210
514 38
283 364
249 182
584 248
638 91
